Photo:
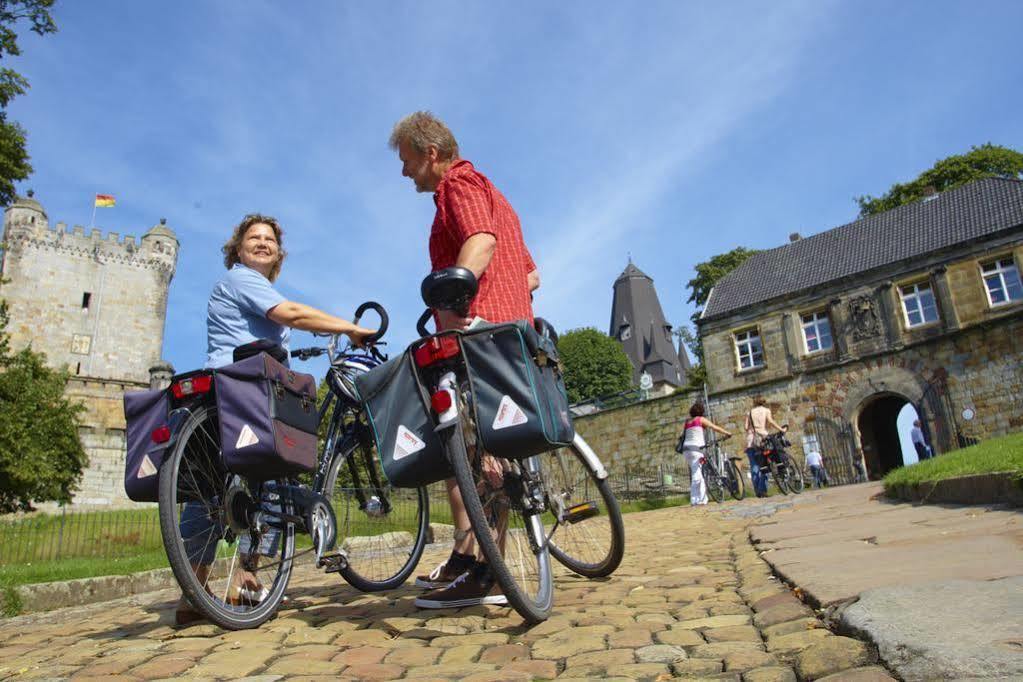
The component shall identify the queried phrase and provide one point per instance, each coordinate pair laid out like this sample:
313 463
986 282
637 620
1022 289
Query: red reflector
436 349
193 386
161 434
441 402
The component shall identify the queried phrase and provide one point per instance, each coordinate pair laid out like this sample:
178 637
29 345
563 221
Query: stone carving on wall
863 317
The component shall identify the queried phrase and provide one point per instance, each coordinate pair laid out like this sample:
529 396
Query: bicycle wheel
736 486
507 523
233 574
794 477
590 539
383 528
779 479
713 482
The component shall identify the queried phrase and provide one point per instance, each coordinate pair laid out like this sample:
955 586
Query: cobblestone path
692 600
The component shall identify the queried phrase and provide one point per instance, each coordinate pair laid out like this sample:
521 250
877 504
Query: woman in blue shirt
244 307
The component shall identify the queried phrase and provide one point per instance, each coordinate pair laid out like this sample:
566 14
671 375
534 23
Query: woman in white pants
693 443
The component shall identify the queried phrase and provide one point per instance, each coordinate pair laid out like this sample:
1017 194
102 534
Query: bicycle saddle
449 289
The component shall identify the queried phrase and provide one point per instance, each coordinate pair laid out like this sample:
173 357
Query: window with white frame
748 350
918 304
816 332
1001 277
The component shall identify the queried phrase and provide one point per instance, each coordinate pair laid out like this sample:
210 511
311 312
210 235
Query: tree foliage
595 364
985 161
708 273
41 457
14 164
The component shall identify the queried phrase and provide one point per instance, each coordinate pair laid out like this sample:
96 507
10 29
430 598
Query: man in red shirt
476 228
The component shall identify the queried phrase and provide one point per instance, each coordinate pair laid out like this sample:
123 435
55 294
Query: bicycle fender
591 457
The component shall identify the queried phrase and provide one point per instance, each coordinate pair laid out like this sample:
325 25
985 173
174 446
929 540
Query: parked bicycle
556 502
721 473
785 471
231 540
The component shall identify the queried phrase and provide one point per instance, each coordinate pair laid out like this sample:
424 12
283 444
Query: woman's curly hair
230 249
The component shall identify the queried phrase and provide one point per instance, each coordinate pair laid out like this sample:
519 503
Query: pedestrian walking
815 463
758 419
923 450
693 442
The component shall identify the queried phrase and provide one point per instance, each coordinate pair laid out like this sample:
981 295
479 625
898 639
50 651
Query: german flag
105 201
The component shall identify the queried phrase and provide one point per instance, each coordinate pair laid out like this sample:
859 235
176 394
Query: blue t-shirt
236 315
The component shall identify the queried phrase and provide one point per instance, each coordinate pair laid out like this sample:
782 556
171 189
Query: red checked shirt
468 204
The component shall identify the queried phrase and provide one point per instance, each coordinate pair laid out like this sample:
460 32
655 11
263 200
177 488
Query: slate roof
649 345
977 210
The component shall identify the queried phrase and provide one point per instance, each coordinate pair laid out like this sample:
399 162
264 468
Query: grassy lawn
998 454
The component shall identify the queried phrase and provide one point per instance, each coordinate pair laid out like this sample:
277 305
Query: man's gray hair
422 129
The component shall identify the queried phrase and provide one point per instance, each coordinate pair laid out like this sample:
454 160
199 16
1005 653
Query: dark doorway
879 435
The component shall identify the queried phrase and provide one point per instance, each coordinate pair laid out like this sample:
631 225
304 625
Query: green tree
41 457
595 364
985 161
14 165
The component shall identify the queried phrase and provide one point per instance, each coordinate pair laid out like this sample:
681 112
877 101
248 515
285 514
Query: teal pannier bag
521 407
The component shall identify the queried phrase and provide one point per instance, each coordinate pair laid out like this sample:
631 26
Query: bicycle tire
779 480
794 477
736 486
524 569
712 482
194 482
594 546
390 541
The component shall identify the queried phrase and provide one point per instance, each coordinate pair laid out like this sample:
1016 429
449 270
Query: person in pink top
694 442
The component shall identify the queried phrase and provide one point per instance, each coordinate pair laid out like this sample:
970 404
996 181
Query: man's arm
533 280
477 252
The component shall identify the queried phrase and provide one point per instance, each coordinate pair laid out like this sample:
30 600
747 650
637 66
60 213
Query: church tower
637 321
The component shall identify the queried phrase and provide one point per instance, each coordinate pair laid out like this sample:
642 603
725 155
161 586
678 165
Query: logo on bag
508 414
246 438
147 468
406 443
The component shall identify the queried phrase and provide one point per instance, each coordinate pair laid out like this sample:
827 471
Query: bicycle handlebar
421 323
379 310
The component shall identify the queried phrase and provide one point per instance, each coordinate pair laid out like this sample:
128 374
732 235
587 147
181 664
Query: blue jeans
759 475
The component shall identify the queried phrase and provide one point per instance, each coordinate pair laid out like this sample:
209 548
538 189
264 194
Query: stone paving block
299 665
230 663
721 649
499 676
833 655
679 637
695 667
504 653
414 656
872 673
788 627
778 599
544 670
734 633
374 671
166 665
642 671
787 645
780 614
454 671
600 660
660 653
631 638
741 661
479 639
769 674
362 655
713 622
461 654
115 664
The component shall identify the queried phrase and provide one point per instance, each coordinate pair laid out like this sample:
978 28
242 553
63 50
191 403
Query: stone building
637 322
839 331
96 305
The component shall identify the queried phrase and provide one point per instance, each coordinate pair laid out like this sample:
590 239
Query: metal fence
79 534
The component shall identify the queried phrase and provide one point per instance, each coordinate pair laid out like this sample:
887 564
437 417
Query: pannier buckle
541 358
279 390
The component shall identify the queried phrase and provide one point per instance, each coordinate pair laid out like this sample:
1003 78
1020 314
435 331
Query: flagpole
92 221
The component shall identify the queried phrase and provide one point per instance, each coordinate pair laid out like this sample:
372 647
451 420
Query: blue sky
670 131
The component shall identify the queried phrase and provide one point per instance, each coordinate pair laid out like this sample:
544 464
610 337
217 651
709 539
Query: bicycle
231 541
787 474
721 473
528 509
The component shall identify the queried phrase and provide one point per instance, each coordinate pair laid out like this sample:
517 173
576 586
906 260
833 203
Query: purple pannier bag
268 418
144 411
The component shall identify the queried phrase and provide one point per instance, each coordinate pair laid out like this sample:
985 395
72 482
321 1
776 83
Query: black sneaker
472 588
442 576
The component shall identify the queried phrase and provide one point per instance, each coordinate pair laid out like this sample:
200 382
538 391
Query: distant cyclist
476 228
694 442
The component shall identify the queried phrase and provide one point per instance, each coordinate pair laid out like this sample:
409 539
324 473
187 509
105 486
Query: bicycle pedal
581 512
333 563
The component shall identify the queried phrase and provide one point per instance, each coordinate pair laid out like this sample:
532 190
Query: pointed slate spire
637 321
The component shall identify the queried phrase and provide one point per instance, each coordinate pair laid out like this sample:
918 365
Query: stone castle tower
637 321
95 305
